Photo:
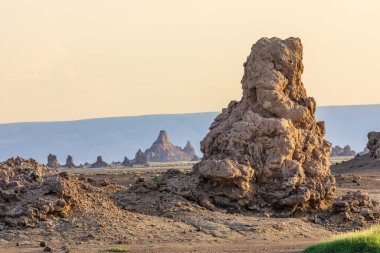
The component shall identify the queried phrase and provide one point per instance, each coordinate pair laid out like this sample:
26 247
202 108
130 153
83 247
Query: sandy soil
185 226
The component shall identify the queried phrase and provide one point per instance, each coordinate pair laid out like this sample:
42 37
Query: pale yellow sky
74 59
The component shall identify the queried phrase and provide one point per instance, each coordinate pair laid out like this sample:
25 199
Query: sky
75 59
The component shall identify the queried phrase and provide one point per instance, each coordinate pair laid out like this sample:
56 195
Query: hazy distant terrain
113 138
116 137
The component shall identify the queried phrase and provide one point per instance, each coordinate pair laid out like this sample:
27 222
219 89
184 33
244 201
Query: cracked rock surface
268 150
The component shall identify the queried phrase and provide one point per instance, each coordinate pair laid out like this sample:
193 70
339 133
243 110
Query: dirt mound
31 192
164 151
267 150
53 161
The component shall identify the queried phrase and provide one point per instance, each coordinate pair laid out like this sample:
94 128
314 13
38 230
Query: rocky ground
108 217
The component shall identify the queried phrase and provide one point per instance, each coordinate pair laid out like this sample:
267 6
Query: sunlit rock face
268 150
32 192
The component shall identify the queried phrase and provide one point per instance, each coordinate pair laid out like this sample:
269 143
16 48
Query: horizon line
147 115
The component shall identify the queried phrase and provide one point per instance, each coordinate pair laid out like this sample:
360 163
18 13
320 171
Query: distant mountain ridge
115 138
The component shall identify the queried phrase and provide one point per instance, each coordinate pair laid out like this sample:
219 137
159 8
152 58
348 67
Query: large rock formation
267 150
53 161
164 151
70 162
99 163
140 158
339 151
374 144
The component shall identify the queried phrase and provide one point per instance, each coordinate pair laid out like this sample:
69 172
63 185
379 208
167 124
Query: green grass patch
155 178
118 250
366 241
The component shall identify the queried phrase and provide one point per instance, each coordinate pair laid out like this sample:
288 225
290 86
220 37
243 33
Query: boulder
53 161
267 150
99 163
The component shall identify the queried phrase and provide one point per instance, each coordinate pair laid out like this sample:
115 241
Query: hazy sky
77 59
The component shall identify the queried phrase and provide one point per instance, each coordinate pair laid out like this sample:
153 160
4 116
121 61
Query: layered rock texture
345 151
164 151
52 161
140 158
374 144
267 150
70 162
31 192
99 163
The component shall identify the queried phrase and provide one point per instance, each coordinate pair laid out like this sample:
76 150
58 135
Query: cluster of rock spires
345 151
164 151
160 151
265 152
373 144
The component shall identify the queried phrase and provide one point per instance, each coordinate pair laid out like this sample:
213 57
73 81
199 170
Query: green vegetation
155 178
117 250
366 241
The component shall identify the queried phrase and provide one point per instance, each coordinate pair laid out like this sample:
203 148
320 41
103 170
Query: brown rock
53 161
30 192
267 149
